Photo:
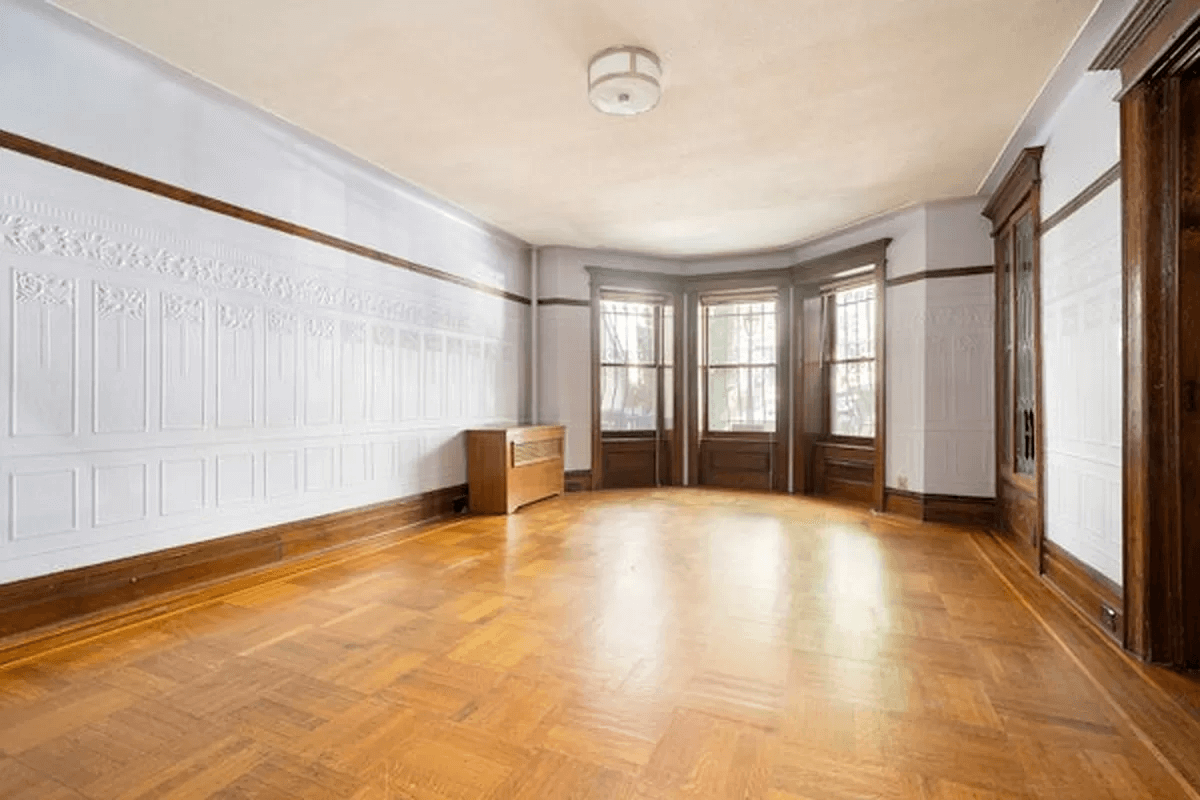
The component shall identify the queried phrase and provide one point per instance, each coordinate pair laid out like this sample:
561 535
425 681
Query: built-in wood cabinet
511 467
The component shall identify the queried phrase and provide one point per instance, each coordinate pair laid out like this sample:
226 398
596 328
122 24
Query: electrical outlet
1109 615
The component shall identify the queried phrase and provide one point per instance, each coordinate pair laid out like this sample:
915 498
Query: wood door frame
777 281
810 279
1019 196
603 279
1156 45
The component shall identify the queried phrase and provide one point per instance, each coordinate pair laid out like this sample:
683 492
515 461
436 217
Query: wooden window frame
827 360
613 283
812 280
760 283
703 367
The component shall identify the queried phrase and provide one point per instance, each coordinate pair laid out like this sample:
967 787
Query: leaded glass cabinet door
1018 376
1025 391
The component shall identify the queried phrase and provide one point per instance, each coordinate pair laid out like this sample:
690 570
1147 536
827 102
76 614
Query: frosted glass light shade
624 80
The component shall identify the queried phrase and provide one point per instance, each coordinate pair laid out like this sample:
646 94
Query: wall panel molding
937 274
1089 193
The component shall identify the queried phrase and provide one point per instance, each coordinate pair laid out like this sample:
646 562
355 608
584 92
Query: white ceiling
781 119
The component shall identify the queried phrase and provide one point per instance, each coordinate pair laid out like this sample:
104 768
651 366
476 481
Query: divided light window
852 362
634 363
739 365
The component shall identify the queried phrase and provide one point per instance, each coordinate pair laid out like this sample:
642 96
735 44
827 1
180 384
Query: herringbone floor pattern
623 646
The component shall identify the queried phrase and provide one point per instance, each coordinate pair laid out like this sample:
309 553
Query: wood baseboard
945 508
1100 600
83 597
578 480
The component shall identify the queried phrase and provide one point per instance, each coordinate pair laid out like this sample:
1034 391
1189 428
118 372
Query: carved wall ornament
385 335
353 332
236 318
188 310
319 328
45 289
280 321
120 301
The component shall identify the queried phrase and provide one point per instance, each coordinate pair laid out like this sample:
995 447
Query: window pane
628 399
626 332
668 398
668 335
1026 403
741 399
741 333
854 323
852 399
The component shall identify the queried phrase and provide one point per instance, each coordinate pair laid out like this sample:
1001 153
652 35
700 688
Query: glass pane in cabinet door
1004 318
1026 366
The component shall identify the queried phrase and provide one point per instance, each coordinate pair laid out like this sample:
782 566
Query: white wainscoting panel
906 386
1082 373
174 375
959 394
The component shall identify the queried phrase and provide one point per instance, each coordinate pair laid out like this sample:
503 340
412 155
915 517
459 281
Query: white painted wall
173 375
1082 329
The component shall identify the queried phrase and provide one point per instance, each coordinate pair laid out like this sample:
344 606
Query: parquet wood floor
619 645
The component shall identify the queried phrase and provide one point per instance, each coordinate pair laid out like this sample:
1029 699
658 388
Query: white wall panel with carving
959 378
1081 343
173 375
905 355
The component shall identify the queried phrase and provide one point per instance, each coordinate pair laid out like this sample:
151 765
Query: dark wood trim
1089 193
813 281
98 169
1159 38
879 491
665 289
578 480
563 301
597 437
608 278
937 274
1144 16
819 271
1096 596
948 509
1021 179
33 606
1020 499
1160 158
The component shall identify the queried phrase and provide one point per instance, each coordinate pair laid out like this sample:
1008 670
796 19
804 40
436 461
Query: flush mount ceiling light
624 80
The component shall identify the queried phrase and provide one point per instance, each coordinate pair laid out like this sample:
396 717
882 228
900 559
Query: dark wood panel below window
737 463
845 471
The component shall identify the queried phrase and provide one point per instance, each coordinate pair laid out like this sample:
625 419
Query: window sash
858 315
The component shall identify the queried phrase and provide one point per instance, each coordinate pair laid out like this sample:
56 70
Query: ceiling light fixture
624 80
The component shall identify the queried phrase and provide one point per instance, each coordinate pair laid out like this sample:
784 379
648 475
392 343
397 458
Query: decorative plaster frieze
28 236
